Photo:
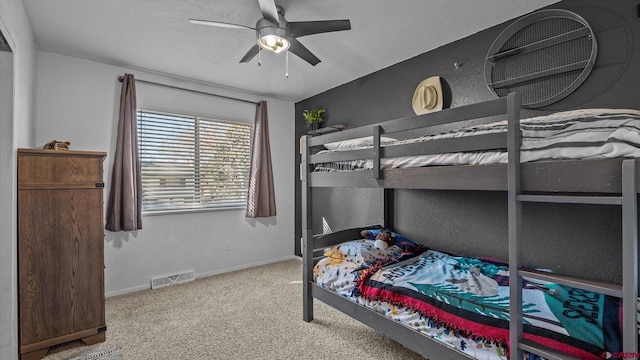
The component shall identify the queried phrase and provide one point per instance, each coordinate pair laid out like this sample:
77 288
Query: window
190 162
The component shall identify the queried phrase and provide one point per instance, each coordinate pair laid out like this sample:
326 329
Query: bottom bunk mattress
464 302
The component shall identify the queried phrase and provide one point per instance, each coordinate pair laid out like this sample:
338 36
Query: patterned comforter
471 296
339 272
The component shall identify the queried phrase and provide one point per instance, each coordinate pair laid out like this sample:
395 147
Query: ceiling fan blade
219 24
300 50
250 54
269 10
303 28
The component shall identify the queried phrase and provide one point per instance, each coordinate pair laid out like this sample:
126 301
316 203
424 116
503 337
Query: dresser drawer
59 169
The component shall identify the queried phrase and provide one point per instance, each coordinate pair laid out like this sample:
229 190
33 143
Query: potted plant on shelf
313 118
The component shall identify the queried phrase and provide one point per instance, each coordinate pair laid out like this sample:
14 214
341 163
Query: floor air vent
175 279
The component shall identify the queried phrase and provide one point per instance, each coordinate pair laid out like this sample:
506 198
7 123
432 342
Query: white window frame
183 169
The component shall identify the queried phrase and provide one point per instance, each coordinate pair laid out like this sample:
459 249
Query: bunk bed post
514 224
387 194
629 257
307 232
377 152
387 205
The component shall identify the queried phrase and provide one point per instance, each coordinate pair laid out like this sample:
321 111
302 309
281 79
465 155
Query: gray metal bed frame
612 182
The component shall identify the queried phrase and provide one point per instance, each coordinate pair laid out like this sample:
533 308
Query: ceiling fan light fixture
272 38
275 34
274 43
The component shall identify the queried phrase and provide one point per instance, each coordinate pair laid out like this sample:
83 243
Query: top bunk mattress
584 134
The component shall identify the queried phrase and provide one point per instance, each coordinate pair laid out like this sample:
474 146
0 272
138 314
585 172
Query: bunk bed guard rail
430 123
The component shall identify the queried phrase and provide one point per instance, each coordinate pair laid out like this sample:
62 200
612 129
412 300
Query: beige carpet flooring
248 314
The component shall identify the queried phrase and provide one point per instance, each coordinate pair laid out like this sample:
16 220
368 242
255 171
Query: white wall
78 101
17 84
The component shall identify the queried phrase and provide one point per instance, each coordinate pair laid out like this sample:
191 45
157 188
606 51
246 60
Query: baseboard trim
205 274
127 290
245 266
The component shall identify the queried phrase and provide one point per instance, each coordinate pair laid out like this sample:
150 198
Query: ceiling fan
274 33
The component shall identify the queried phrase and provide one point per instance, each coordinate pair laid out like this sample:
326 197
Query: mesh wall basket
544 56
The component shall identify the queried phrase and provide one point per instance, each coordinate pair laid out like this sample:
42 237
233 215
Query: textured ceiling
156 35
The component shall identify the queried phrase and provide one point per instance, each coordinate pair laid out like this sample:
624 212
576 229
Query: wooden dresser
60 249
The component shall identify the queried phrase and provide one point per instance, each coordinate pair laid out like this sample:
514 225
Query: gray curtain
124 211
261 201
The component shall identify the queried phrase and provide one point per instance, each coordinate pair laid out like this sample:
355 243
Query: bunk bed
603 181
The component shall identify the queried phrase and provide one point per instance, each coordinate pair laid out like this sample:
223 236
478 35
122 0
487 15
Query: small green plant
313 117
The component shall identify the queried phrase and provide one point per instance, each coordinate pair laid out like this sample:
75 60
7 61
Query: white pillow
356 143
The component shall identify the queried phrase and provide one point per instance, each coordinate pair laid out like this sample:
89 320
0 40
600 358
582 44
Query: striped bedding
569 135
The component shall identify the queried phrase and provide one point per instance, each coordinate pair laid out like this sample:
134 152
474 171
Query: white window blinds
190 162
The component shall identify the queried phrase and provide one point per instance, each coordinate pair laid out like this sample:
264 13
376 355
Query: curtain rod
196 91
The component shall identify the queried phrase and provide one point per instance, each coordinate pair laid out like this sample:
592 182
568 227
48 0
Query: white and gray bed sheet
570 135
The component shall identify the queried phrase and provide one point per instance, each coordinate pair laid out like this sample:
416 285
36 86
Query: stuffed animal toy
57 145
383 240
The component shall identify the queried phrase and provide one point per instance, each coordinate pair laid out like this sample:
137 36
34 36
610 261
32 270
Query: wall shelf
327 130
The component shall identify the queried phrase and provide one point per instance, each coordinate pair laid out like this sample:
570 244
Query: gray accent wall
578 240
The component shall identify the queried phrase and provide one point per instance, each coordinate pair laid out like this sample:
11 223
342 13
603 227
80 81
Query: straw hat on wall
428 96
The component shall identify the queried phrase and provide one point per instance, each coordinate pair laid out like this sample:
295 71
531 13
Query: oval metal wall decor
544 56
